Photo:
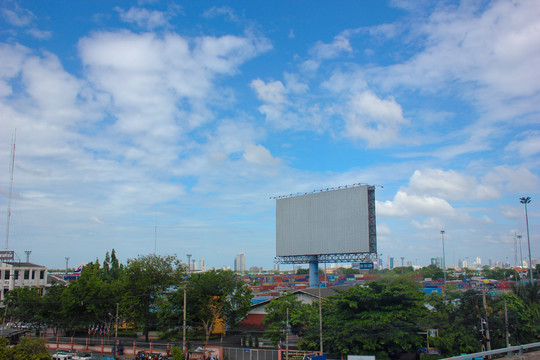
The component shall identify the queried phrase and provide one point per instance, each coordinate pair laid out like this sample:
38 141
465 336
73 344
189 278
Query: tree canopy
212 297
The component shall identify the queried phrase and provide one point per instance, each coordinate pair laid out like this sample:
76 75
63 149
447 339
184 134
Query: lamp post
525 201
443 259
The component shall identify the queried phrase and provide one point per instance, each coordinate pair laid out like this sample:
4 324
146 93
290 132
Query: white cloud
144 18
339 81
447 184
323 51
512 179
429 223
490 49
18 16
527 146
374 120
258 154
272 92
407 205
40 34
12 60
225 11
96 220
162 83
294 84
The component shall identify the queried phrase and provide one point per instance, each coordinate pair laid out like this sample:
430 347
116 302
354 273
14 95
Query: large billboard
340 221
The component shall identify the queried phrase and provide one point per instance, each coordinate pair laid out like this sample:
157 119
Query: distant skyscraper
240 262
391 263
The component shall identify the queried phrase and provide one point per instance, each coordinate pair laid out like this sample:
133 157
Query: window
33 274
16 274
42 274
26 274
6 275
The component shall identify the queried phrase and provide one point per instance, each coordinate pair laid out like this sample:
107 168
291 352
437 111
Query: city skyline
168 128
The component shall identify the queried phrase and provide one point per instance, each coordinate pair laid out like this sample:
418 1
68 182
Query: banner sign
7 255
365 266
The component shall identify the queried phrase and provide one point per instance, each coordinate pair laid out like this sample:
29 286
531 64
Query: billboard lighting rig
321 190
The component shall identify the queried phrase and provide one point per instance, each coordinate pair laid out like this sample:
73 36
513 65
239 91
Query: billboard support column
314 271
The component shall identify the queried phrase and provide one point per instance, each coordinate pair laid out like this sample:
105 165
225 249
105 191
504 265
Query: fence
508 350
105 346
250 354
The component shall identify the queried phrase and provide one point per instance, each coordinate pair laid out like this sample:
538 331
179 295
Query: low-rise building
14 275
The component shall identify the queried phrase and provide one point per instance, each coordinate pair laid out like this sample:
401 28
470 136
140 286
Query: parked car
63 355
71 355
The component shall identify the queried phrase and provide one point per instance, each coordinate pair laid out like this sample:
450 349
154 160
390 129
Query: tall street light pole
525 201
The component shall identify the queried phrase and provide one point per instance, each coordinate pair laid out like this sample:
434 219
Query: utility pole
287 336
488 338
320 319
506 324
115 332
184 324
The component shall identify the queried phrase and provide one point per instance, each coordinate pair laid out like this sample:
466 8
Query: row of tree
391 316
435 272
146 293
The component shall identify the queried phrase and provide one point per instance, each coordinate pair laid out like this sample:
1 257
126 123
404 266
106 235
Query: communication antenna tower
28 252
10 194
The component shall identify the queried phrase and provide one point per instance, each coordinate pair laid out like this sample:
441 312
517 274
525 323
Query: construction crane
10 194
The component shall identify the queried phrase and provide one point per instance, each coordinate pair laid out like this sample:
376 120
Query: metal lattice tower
10 194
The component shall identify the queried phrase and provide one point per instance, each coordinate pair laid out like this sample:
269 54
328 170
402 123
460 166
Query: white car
70 355
63 355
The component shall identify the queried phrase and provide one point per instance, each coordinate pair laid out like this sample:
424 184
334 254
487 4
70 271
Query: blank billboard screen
331 222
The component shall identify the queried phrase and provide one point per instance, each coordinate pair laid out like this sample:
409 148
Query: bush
177 353
27 349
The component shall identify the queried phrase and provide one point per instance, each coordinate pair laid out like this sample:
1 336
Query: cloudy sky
167 126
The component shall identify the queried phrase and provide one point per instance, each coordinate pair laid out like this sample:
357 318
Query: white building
14 275
240 262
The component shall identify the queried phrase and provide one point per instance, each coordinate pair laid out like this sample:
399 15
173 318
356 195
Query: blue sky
167 126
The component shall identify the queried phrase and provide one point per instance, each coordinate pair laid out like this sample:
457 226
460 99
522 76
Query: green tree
213 296
24 305
27 349
92 299
432 271
51 311
276 317
380 318
147 280
456 334
525 303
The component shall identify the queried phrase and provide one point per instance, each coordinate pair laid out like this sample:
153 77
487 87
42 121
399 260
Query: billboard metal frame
358 257
327 258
